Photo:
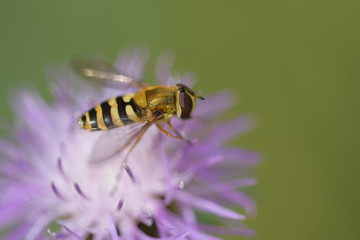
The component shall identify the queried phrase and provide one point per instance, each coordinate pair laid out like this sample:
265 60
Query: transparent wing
99 70
114 141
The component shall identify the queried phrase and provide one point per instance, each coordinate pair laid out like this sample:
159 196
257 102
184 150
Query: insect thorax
157 98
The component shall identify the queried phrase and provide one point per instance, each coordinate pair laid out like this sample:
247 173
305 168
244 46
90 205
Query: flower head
51 188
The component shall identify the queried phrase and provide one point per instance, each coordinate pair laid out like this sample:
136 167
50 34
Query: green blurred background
294 64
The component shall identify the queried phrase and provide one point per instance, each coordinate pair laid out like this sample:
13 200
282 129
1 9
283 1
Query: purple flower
51 190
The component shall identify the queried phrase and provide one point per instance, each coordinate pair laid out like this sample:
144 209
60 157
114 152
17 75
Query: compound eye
186 104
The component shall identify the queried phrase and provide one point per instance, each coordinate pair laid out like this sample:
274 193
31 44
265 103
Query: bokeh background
293 64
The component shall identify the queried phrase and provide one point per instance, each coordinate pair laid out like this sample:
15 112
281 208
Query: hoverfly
150 105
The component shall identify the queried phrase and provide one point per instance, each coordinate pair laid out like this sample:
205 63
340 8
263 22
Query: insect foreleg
177 136
166 132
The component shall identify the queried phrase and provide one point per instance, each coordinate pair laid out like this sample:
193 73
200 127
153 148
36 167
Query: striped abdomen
115 112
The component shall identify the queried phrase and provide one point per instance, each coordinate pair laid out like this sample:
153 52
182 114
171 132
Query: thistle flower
50 190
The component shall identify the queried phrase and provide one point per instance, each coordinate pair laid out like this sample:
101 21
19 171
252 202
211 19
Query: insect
150 105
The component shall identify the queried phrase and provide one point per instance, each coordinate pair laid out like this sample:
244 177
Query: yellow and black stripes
115 112
122 105
105 109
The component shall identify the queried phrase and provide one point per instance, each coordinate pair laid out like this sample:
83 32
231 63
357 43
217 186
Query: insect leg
124 166
177 133
166 132
139 135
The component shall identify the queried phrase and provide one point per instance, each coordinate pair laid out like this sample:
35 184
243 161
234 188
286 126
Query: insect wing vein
114 141
100 71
